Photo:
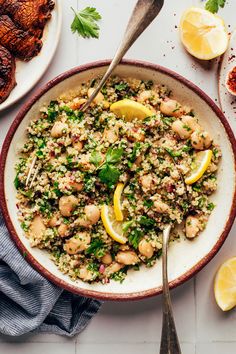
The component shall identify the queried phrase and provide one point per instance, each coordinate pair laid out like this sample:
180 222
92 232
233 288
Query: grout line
195 307
77 42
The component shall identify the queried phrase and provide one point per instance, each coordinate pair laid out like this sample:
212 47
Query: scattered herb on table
214 5
85 23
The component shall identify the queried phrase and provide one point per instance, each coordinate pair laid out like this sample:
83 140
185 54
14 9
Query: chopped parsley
52 111
121 87
109 173
97 247
210 206
135 237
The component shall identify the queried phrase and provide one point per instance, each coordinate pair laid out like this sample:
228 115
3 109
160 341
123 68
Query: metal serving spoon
169 338
143 14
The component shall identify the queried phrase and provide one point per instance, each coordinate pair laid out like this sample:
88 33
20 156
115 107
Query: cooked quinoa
81 158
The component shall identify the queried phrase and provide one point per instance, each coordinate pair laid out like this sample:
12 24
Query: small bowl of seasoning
231 81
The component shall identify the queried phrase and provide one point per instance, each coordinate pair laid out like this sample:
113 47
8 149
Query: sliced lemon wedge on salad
225 285
117 202
130 110
112 226
200 164
203 34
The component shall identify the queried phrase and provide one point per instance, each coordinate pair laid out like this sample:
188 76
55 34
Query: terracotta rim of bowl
90 293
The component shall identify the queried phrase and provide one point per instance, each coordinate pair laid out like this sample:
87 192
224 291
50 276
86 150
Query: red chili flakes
231 82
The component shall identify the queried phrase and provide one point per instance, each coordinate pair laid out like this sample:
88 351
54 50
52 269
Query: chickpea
77 103
201 140
171 108
145 248
83 222
147 95
63 230
191 122
77 186
99 98
127 257
67 205
160 207
146 181
78 145
37 227
54 220
113 268
84 162
192 226
111 135
107 259
92 213
181 129
78 243
59 129
97 136
86 274
136 163
135 134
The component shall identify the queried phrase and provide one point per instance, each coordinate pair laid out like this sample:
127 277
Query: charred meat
21 44
7 73
30 15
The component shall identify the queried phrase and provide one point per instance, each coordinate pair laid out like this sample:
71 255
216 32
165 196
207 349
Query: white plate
29 73
228 101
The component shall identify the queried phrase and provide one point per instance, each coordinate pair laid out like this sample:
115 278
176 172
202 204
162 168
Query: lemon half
201 162
112 226
203 34
130 110
225 285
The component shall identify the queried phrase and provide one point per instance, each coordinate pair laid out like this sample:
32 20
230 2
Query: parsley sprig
85 23
214 5
109 173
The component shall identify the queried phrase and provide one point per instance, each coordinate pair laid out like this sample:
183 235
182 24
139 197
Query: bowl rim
92 293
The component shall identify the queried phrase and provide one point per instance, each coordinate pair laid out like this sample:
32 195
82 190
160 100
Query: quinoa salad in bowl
106 182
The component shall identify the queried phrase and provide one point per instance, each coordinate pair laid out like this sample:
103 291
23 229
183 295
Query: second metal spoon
144 13
169 337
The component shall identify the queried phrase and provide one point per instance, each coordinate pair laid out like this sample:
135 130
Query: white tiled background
134 328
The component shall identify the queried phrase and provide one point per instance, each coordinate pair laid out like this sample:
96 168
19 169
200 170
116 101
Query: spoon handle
169 337
144 13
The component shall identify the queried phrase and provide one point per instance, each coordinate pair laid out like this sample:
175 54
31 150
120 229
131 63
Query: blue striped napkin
29 302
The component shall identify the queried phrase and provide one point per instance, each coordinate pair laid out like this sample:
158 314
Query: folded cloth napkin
29 302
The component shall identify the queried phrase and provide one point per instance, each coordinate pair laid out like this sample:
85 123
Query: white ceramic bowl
185 258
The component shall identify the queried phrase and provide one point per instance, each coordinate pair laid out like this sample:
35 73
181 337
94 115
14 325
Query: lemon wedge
117 202
201 162
130 110
225 285
203 34
112 226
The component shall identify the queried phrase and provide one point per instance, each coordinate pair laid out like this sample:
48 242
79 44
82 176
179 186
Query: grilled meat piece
7 73
21 44
30 15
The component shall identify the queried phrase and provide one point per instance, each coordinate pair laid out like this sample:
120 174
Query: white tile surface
135 327
35 348
141 321
150 348
216 348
